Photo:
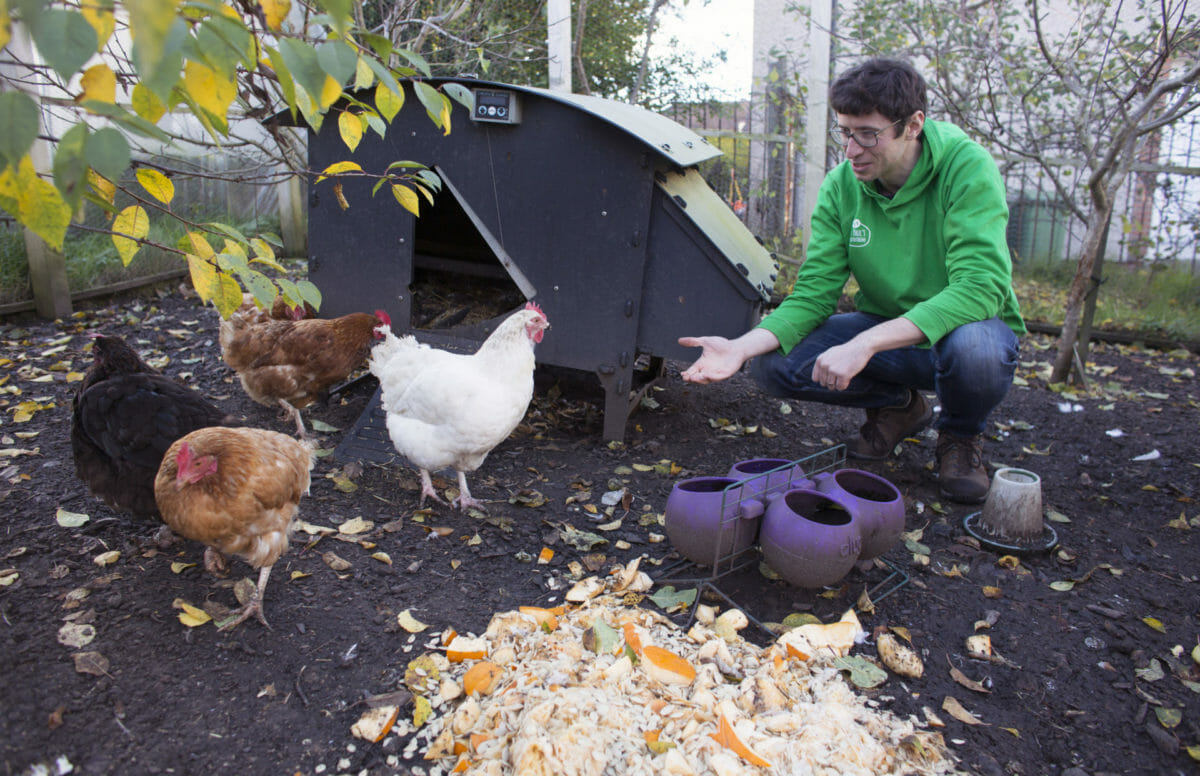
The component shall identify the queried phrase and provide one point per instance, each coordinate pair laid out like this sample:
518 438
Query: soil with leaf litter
1094 666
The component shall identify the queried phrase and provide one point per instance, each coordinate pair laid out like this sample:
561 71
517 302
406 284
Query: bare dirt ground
1096 679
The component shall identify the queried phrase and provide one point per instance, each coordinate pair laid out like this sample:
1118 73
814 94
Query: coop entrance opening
461 274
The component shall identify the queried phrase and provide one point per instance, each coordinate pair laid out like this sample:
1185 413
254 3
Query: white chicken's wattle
448 410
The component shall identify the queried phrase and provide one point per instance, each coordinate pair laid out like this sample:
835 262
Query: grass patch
1156 299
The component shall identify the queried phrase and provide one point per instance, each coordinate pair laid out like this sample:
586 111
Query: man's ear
915 124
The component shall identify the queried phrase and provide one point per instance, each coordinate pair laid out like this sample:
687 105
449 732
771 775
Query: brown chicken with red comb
289 363
237 490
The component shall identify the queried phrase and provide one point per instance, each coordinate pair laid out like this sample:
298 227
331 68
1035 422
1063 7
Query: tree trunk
651 27
1090 300
1089 254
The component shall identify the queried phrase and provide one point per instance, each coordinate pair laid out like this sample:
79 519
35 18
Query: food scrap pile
606 687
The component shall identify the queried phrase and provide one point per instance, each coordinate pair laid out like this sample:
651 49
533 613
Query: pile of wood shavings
560 708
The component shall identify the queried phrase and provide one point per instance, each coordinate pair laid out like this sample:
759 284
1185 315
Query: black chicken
124 417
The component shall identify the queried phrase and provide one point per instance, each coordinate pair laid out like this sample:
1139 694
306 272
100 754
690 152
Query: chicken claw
427 489
253 606
465 501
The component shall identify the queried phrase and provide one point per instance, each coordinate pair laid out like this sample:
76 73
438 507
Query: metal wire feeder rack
779 479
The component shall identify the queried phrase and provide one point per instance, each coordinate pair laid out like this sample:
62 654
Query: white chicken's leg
291 412
464 500
427 489
254 605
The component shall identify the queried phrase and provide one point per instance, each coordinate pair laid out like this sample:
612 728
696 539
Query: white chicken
449 409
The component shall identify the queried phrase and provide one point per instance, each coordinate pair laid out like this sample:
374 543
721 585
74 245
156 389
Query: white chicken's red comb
534 306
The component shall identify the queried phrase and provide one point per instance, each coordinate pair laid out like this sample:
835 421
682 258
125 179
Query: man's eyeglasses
866 138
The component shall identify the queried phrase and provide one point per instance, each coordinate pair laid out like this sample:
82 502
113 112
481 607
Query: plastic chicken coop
592 208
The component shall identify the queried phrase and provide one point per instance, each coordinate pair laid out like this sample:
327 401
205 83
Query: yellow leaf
146 104
1155 623
356 526
407 198
178 566
156 184
101 19
330 92
208 88
275 11
350 128
363 75
422 709
104 188
445 119
299 575
35 202
201 246
337 168
382 557
192 616
1016 733
387 102
204 277
228 297
132 224
99 83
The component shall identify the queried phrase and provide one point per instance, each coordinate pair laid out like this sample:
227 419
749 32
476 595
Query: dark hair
891 86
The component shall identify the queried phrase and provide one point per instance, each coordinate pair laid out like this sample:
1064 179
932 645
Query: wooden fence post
47 267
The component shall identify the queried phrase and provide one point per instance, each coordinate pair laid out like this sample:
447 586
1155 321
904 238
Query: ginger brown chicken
237 490
290 363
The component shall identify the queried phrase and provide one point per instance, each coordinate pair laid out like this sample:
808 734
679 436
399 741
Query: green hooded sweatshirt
935 253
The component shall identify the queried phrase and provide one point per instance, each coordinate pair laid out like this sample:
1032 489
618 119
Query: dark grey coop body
591 208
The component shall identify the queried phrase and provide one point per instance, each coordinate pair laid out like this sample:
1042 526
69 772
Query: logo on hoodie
860 234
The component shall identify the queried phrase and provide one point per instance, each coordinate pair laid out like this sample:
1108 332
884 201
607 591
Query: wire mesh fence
1156 216
209 188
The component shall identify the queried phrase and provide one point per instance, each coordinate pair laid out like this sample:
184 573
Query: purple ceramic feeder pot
878 503
706 523
810 538
767 475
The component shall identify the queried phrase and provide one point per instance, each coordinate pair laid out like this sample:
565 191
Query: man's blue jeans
970 370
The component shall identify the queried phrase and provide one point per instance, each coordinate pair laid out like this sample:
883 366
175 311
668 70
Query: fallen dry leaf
969 683
951 706
91 663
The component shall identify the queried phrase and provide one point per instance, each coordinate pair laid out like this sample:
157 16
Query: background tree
110 79
505 40
1076 93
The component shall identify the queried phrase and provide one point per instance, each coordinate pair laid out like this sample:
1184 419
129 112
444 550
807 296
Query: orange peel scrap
462 648
545 618
726 737
666 666
482 678
632 639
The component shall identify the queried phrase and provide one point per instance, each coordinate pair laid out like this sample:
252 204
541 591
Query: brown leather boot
885 428
961 475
